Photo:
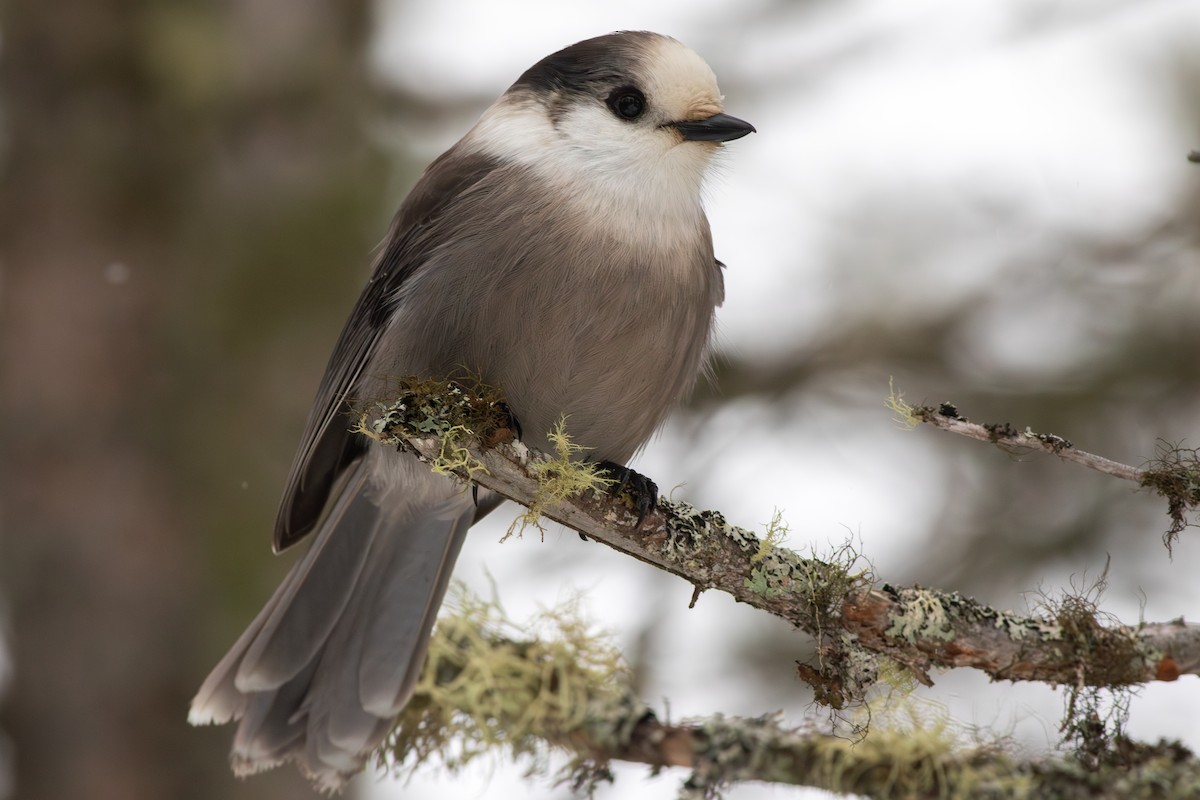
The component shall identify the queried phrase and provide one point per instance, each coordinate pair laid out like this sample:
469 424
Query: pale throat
646 196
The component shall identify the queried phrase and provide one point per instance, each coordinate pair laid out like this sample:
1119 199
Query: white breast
642 190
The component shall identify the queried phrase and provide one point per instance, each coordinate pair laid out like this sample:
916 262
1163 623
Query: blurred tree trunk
160 158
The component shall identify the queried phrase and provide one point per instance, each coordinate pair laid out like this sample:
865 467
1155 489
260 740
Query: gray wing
328 446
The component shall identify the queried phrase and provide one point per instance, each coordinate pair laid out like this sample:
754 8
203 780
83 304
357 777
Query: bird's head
629 108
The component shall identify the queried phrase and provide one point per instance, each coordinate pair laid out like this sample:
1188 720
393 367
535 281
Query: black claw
642 491
514 424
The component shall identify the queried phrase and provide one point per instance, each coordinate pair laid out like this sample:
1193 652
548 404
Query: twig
853 622
1006 436
1174 474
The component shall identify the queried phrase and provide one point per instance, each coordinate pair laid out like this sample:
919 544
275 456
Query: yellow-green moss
489 686
450 411
563 476
905 414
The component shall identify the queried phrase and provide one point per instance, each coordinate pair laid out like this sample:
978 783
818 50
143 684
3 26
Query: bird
559 252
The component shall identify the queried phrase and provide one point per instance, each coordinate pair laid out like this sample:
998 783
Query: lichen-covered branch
946 417
468 433
1174 474
487 686
1068 645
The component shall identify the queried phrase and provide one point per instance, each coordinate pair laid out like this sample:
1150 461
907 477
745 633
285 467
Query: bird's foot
514 424
642 492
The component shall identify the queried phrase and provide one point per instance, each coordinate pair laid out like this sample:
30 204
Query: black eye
628 102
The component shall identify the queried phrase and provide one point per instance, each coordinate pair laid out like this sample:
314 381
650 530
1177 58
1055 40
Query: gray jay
559 252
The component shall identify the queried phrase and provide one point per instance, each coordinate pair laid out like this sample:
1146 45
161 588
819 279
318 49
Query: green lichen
899 762
924 615
560 477
777 531
821 583
1018 628
808 591
905 415
454 412
917 758
490 686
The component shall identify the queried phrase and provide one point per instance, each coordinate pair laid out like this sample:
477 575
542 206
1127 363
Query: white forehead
678 79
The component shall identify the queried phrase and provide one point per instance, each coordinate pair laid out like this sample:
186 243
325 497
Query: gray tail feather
321 674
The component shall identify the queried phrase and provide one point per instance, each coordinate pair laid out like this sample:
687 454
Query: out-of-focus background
989 203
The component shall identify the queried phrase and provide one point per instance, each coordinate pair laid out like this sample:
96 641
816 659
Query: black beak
717 128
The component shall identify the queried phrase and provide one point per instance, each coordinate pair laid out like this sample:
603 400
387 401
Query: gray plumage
558 252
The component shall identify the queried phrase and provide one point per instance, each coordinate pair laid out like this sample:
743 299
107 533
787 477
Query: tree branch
1174 474
1003 434
469 434
488 686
